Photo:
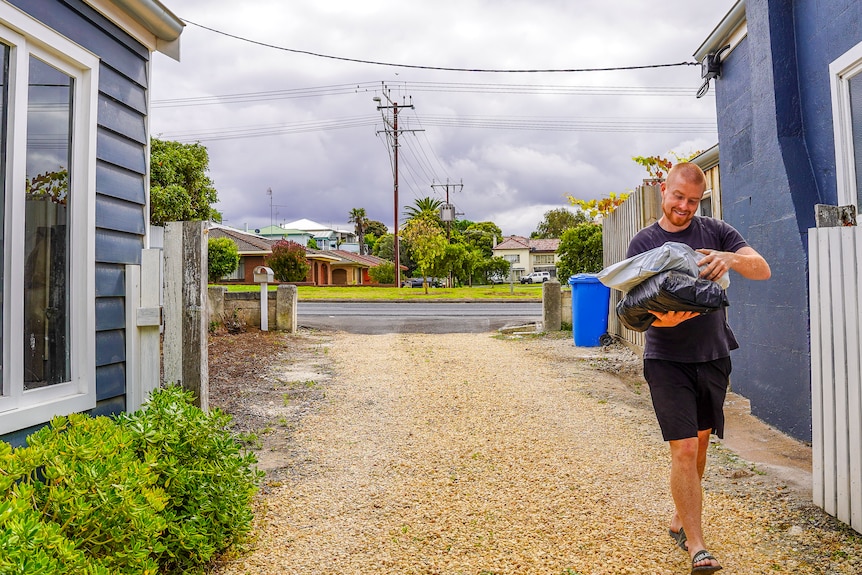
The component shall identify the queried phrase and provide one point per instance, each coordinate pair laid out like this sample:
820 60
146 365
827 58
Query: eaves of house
534 245
247 244
149 21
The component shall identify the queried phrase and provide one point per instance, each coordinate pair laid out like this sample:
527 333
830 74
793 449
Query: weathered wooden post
186 317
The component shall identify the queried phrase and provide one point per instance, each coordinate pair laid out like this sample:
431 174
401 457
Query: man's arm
746 262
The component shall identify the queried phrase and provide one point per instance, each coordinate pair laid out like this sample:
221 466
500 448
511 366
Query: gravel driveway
481 454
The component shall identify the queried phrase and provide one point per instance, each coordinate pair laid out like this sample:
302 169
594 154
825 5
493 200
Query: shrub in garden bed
164 489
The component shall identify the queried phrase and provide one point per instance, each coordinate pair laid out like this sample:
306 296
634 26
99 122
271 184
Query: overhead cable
441 68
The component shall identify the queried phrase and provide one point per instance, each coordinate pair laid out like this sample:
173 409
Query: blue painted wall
777 161
120 179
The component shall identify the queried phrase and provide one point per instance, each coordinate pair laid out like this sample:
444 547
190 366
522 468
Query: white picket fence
835 291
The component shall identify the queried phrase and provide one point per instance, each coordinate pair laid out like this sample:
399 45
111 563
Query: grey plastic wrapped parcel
662 279
670 256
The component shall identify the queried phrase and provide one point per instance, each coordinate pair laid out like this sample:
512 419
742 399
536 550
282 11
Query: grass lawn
520 292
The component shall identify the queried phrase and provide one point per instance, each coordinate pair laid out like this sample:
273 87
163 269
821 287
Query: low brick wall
245 306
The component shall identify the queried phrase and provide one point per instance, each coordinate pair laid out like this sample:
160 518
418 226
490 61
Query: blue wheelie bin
590 301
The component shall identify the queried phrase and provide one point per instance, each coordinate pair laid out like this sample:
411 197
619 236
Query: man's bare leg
688 463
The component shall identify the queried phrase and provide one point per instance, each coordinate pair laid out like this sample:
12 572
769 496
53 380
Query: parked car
417 282
535 277
498 279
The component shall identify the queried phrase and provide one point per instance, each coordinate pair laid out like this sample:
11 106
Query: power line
529 123
441 68
444 87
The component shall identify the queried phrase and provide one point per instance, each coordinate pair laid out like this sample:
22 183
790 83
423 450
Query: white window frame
847 66
20 409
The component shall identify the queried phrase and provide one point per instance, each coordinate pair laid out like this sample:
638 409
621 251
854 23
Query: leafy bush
165 488
383 273
288 261
222 257
208 481
79 487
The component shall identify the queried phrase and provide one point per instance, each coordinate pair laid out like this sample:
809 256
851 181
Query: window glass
239 272
855 84
46 224
706 207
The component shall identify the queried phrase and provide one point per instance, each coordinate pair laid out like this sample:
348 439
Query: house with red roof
328 267
529 255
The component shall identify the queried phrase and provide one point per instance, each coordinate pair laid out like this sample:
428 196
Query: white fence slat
815 240
835 290
829 463
134 394
841 277
854 392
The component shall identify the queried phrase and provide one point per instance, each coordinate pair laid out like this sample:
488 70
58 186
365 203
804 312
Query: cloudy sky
281 94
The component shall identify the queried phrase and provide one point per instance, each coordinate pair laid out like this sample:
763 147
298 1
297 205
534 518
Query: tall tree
557 221
360 222
580 250
376 228
180 189
482 235
425 208
427 245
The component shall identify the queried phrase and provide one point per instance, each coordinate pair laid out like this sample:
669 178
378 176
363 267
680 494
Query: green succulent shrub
78 487
165 489
208 480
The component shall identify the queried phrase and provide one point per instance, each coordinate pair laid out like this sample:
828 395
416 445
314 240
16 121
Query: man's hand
715 263
746 262
672 318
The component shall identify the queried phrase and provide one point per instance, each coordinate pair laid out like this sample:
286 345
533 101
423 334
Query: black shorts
688 397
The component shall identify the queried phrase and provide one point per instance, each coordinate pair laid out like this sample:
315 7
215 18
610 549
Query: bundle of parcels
663 279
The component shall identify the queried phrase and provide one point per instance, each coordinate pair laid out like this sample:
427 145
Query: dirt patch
478 453
267 382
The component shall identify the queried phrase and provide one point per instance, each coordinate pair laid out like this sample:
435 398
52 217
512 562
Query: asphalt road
413 317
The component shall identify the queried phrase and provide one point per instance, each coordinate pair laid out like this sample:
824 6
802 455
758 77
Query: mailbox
263 275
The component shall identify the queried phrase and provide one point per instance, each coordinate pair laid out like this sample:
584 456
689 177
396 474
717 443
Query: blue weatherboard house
787 78
74 144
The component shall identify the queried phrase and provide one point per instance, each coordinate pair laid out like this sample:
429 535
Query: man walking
687 355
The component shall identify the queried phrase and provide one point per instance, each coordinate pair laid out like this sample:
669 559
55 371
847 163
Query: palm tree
425 208
360 221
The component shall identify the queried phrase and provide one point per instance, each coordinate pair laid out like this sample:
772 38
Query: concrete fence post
215 300
285 308
186 308
566 307
551 296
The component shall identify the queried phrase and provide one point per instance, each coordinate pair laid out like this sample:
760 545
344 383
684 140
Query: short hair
689 172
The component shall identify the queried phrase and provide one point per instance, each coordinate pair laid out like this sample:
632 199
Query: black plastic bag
669 291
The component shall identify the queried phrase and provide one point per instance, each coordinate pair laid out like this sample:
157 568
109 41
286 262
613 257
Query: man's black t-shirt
707 336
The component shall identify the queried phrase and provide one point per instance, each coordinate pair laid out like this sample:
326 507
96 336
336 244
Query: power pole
447 214
395 131
448 210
